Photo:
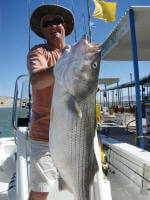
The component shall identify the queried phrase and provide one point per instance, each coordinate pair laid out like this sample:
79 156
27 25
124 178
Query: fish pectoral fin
73 106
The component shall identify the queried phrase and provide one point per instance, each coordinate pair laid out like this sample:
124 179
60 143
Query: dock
118 127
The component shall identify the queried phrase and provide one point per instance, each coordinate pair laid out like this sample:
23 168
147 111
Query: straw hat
51 9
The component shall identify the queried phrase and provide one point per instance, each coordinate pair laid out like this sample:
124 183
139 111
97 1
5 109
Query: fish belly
71 144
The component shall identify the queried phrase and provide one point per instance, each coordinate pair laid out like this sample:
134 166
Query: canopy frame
118 47
139 137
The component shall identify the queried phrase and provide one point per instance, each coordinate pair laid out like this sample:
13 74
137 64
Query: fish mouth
93 49
86 37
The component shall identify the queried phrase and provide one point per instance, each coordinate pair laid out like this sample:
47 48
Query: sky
15 38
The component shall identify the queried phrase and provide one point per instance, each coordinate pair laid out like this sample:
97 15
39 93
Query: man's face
53 28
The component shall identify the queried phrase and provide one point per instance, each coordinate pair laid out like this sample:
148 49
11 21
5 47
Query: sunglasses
56 21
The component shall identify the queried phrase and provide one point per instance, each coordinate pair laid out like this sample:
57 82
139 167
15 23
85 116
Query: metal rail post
139 138
128 96
108 99
106 105
118 93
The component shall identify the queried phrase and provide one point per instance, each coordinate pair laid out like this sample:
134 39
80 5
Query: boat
128 175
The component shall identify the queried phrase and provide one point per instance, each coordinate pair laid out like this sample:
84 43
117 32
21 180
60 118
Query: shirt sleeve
36 60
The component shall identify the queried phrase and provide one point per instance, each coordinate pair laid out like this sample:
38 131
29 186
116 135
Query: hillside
6 102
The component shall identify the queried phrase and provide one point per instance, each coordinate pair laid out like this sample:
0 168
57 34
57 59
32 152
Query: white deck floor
121 190
121 187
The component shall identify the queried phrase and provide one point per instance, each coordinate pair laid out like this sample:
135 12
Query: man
53 23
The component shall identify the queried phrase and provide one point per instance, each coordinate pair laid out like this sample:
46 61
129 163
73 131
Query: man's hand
66 47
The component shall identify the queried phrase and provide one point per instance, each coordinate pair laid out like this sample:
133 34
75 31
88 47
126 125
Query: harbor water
6 129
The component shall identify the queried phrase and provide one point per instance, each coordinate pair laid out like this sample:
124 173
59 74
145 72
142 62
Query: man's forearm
42 78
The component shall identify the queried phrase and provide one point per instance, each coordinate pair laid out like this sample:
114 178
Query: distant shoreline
6 102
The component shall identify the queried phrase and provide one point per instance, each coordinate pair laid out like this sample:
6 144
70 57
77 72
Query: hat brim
50 9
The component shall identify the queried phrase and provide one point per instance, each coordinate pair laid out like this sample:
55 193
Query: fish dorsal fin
73 106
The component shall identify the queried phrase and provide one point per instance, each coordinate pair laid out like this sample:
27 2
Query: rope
127 127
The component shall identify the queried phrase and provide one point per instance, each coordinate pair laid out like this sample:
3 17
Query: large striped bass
73 117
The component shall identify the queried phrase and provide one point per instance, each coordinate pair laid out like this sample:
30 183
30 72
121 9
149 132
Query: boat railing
21 103
20 124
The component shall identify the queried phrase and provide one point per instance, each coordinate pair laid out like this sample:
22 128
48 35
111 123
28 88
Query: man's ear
65 26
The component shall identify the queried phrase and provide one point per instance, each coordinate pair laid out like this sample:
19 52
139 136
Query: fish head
78 68
85 64
76 74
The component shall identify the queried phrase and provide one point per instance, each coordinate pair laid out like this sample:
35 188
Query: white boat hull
131 165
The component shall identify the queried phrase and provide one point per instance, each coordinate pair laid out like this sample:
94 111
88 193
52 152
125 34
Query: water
6 129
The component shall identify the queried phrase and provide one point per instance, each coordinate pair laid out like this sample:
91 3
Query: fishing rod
89 21
75 32
29 44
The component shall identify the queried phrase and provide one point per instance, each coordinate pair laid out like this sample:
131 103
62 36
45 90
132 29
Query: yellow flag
105 10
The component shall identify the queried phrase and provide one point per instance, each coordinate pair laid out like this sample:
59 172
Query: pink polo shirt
38 58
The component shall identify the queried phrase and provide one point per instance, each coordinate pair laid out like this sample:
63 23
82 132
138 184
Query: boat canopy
117 46
108 81
145 81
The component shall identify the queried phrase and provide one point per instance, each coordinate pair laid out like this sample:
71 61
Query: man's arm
42 78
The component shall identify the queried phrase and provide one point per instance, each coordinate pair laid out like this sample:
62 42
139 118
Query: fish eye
94 65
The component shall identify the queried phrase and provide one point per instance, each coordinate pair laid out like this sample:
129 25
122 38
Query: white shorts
43 174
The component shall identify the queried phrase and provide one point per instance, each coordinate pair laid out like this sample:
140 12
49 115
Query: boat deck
115 127
121 187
